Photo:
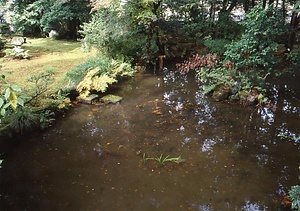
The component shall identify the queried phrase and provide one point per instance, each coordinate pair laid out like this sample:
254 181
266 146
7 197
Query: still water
92 159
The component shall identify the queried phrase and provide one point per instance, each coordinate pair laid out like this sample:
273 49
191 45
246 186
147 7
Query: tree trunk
253 3
283 8
246 6
264 3
294 29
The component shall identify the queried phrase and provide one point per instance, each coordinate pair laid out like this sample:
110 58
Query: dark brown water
93 158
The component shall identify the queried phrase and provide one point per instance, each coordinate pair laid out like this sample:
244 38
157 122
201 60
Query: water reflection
93 158
253 206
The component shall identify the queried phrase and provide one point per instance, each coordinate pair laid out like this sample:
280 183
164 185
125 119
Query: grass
161 160
45 53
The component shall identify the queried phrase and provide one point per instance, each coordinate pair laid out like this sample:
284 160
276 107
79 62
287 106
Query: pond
95 158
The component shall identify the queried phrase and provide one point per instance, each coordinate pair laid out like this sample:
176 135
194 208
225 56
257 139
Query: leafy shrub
78 73
15 113
217 77
216 46
293 57
46 118
10 98
226 28
17 53
97 73
4 28
255 49
41 81
248 61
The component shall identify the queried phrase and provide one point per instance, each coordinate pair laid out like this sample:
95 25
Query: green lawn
45 54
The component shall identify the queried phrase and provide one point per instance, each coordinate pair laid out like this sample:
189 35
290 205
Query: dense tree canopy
37 17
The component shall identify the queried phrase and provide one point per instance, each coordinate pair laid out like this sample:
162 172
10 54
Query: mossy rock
88 99
221 93
111 99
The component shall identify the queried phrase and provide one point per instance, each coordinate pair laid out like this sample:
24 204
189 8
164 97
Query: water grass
162 160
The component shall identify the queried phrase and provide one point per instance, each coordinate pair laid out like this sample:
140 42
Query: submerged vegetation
161 160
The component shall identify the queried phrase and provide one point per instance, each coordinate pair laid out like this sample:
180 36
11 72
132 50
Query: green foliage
98 73
248 61
2 43
161 160
289 135
46 118
293 57
212 77
226 28
11 97
17 53
111 32
23 120
15 112
255 49
216 46
78 73
41 81
294 193
58 101
35 17
4 28
60 14
196 29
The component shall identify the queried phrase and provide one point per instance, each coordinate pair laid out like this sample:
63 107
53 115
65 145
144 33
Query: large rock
18 41
53 34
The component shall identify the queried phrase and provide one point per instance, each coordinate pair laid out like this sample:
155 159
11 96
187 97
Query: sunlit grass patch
59 55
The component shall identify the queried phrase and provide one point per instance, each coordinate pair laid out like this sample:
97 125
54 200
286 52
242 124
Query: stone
221 93
53 34
18 41
88 99
18 49
111 99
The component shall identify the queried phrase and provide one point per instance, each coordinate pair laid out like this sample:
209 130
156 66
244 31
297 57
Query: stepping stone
111 99
89 99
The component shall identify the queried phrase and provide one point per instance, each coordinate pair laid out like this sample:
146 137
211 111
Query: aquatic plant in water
161 160
289 135
295 196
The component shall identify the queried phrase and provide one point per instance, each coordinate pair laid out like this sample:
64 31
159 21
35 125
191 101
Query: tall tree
40 16
294 25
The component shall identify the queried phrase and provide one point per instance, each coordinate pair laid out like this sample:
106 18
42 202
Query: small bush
23 120
17 53
78 73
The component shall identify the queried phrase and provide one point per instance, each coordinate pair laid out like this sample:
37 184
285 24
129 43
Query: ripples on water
92 159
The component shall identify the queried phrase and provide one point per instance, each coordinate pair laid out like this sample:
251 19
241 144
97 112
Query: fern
94 82
100 83
98 73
